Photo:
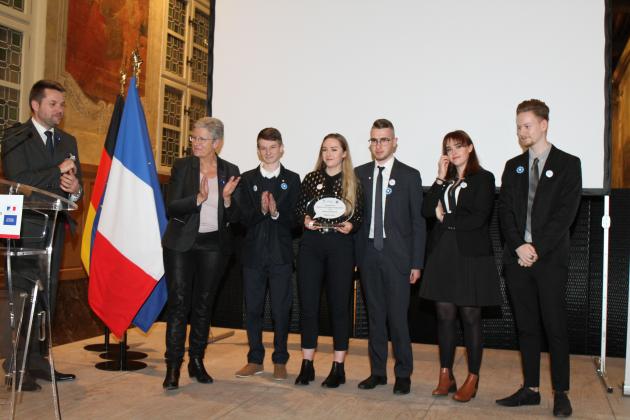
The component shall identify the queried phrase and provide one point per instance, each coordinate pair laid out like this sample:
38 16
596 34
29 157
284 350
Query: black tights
471 322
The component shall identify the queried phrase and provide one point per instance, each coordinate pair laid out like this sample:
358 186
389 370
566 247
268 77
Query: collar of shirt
267 174
542 157
388 167
41 130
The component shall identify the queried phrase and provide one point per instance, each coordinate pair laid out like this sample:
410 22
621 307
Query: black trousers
325 258
281 293
387 297
25 270
192 279
538 297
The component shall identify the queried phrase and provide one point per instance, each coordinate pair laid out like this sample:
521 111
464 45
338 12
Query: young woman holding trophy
330 204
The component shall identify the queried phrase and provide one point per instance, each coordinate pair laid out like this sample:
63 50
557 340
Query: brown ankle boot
468 390
446 384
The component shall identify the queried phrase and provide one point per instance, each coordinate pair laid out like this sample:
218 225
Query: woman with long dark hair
460 274
327 257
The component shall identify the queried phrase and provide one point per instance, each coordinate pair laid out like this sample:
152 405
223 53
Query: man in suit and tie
540 196
390 253
269 194
39 154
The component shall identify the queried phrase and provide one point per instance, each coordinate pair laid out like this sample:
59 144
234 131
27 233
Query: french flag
126 270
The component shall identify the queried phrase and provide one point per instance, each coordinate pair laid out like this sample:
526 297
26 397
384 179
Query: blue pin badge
388 191
520 170
284 186
255 188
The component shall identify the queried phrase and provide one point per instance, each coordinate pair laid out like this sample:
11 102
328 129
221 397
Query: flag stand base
123 360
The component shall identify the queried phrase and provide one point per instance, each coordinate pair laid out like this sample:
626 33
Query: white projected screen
310 68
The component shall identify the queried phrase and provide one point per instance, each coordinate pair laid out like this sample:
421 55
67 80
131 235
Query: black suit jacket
553 210
26 160
265 236
183 211
405 228
471 218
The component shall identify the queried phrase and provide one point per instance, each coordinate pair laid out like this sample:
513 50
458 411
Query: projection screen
310 68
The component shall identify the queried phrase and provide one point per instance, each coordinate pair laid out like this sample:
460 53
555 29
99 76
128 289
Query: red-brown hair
472 166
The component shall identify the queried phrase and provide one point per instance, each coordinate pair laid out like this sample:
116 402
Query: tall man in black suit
540 196
390 253
39 154
269 195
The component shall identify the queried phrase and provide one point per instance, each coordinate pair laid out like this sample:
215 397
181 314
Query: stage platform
139 395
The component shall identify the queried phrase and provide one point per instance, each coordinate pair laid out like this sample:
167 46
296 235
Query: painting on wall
101 35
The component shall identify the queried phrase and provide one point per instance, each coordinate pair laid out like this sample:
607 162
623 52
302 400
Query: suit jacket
470 219
26 160
554 208
183 211
405 228
268 238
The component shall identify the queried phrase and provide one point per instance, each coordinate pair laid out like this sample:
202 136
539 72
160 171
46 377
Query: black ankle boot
307 373
336 377
171 381
197 370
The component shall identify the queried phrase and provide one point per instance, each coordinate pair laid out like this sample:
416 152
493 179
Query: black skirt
465 281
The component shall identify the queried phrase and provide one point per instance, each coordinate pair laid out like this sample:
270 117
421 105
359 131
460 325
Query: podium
41 210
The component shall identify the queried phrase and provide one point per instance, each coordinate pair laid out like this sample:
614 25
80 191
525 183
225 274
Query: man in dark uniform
390 253
269 195
39 154
540 196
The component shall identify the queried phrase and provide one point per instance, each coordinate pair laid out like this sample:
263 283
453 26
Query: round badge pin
255 188
392 182
284 186
464 185
388 191
549 173
520 170
319 186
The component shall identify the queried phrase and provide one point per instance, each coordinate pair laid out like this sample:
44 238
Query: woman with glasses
326 256
201 203
460 274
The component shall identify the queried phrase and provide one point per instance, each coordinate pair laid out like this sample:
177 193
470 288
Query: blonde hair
348 177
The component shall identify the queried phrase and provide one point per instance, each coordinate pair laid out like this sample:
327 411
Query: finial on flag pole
136 62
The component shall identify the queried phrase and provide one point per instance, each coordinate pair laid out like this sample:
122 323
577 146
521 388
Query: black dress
450 275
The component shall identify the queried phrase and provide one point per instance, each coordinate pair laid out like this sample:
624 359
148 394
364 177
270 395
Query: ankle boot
468 390
197 370
446 383
336 376
171 381
307 373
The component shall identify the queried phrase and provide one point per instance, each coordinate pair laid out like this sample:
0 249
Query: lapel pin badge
255 188
520 170
549 173
464 185
388 191
392 182
284 186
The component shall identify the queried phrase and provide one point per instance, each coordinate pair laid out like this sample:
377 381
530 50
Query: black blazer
26 160
405 227
554 208
471 218
183 211
266 236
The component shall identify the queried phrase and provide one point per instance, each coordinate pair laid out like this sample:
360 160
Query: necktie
49 142
378 211
533 184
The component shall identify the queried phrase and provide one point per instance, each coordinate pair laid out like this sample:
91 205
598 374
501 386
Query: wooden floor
138 395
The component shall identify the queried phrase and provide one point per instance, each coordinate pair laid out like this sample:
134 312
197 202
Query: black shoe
523 396
28 384
372 381
336 376
171 381
45 375
307 373
402 386
561 405
197 370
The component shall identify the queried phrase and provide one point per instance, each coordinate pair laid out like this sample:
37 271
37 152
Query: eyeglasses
202 139
382 140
